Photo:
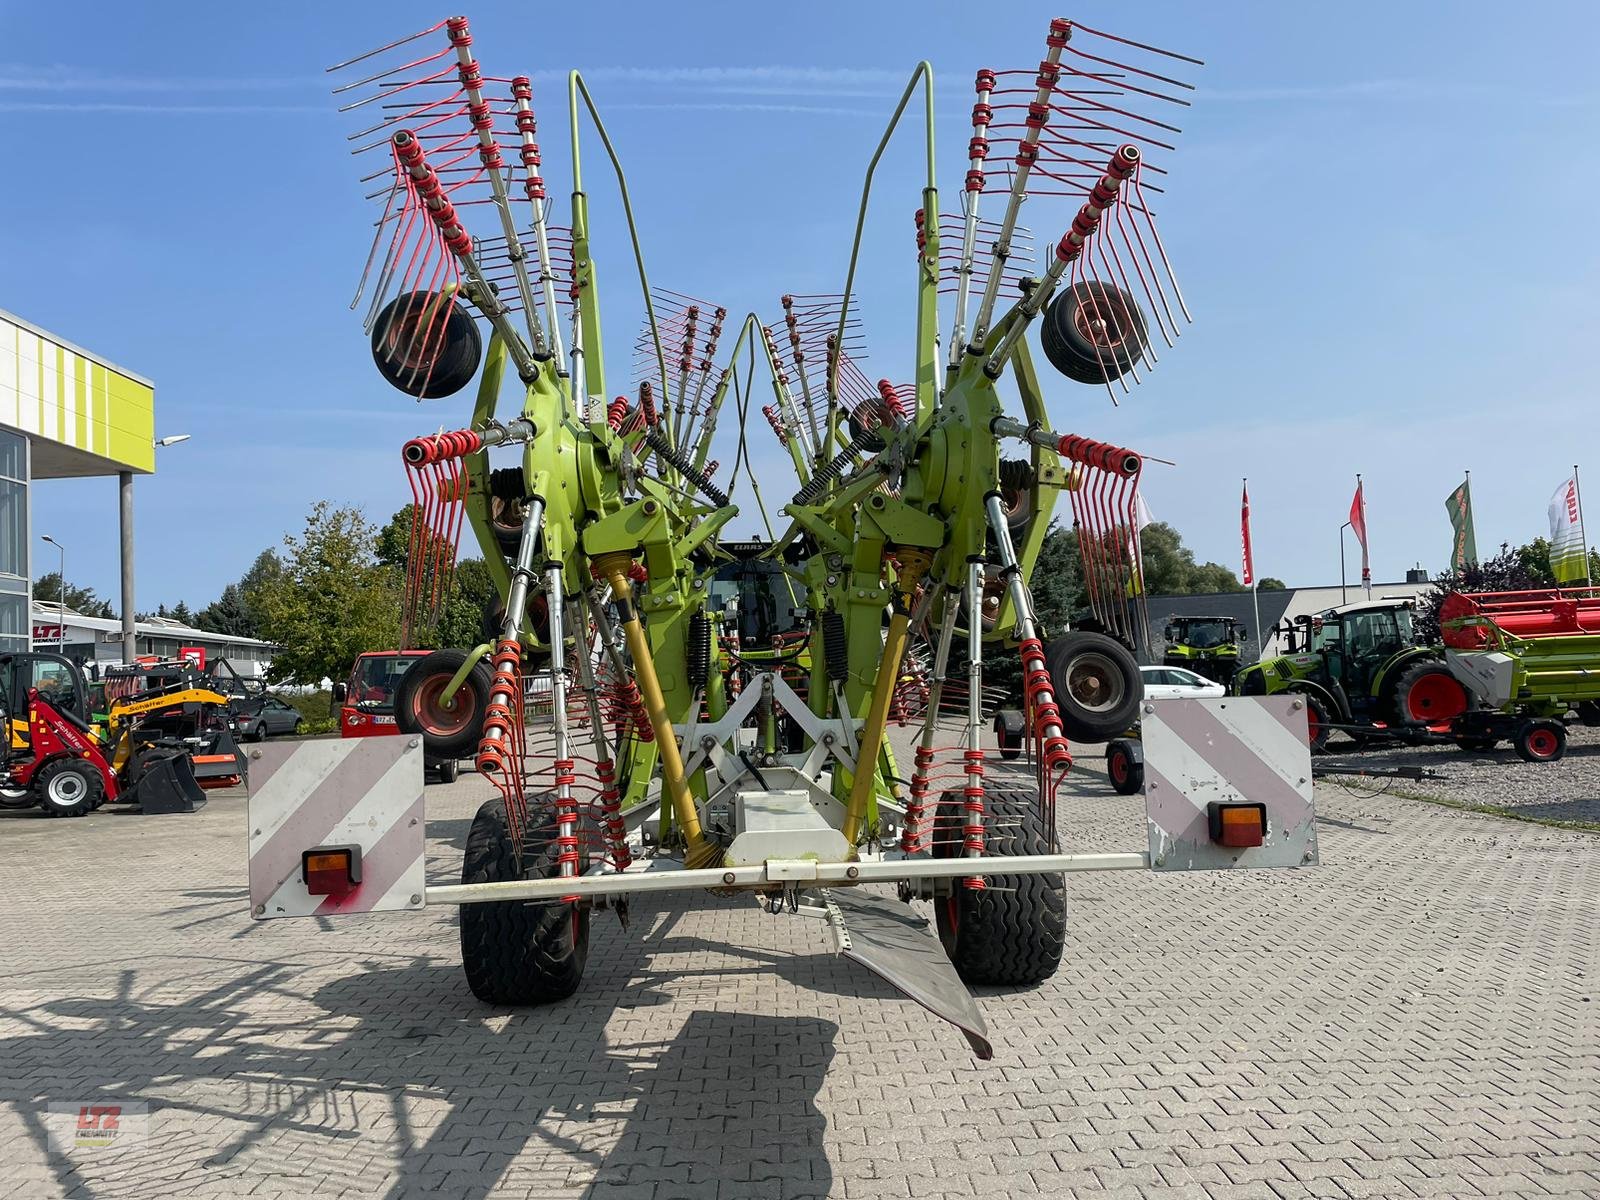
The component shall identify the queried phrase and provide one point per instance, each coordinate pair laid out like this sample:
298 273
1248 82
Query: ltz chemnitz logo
97 1126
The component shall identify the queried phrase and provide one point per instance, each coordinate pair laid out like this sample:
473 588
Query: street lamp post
61 594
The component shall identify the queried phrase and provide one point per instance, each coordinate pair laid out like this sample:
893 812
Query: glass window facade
15 579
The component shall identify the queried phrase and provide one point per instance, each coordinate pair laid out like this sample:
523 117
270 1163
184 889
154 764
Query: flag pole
1577 494
1255 591
1366 572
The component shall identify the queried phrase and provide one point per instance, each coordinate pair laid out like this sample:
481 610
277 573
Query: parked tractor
675 757
1361 670
1208 646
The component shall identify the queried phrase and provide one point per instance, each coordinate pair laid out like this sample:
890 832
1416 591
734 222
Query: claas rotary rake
664 707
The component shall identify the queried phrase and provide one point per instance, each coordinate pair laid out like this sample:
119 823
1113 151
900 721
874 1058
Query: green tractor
1360 668
1208 646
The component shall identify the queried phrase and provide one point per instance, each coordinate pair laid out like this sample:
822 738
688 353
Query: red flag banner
1249 576
1358 522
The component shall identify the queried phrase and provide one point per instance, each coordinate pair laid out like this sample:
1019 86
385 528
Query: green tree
81 599
1534 560
1271 584
330 600
181 613
227 614
1170 568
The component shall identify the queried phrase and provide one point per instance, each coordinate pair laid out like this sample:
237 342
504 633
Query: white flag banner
1567 556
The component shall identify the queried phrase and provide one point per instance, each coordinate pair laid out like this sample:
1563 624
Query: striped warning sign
1237 750
357 794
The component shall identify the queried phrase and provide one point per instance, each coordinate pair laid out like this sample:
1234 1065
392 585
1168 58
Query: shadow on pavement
520 1098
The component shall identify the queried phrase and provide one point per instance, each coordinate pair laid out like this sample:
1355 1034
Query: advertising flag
1249 575
1568 555
1459 506
1141 518
1358 522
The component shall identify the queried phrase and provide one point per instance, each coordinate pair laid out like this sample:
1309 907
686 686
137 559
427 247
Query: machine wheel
1477 745
1542 740
1318 720
518 951
1428 694
447 771
68 787
1093 332
1013 931
423 353
1125 772
1008 733
419 705
1589 713
1097 685
15 797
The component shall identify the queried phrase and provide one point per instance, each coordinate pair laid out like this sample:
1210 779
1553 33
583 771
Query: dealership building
65 412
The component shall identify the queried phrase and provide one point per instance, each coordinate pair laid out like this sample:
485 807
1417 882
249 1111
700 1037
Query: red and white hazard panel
336 826
1228 783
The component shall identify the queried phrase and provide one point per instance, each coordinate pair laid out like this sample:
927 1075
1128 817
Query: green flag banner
1459 506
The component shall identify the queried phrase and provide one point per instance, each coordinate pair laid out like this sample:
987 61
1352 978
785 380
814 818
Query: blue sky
1380 215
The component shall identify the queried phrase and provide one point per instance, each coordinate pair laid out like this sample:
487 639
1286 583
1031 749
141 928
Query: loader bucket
168 786
221 764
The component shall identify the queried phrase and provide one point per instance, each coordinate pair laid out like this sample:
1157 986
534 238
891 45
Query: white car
1174 683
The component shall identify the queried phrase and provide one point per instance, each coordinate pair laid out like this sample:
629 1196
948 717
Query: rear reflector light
1237 826
331 870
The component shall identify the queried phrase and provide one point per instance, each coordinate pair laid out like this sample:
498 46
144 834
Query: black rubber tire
1097 685
68 787
519 952
1589 713
1073 353
1317 720
1477 745
1532 738
441 368
1010 743
1421 711
1011 933
444 734
507 495
447 771
1126 774
17 798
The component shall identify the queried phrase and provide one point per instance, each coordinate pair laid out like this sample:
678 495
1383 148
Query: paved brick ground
1419 1017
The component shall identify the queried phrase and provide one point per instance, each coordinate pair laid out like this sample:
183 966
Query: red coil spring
610 818
972 807
1115 459
912 835
647 402
566 821
504 692
440 447
616 413
1040 691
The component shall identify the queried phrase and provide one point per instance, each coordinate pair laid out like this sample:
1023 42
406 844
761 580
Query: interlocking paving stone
1417 1017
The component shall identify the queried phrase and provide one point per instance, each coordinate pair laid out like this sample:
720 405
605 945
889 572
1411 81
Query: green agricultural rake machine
719 709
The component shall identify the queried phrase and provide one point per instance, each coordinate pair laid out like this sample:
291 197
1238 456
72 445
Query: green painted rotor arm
922 74
576 90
